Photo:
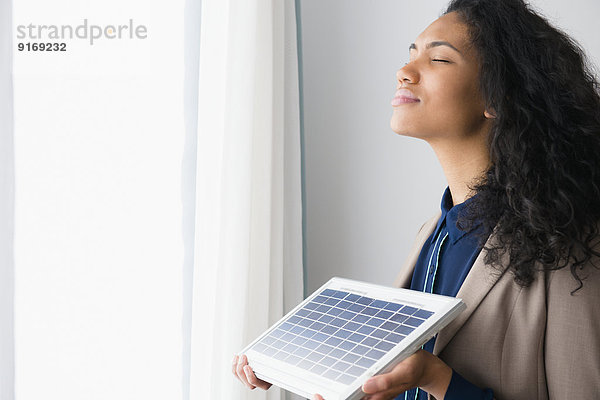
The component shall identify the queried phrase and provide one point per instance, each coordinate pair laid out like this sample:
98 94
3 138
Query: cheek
459 103
453 106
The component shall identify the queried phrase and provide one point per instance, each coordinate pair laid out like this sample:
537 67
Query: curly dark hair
541 195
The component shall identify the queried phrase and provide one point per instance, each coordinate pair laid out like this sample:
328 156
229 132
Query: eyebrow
435 44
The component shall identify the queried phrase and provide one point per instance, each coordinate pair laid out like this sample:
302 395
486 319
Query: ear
489 115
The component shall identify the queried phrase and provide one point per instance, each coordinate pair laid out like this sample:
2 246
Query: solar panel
344 333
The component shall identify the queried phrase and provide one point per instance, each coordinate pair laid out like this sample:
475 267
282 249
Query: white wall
368 190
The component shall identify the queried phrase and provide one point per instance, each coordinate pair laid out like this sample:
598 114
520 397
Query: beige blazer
537 342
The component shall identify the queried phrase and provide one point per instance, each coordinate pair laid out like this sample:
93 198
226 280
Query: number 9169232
41 46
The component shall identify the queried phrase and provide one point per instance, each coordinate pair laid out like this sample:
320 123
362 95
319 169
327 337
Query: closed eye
439 60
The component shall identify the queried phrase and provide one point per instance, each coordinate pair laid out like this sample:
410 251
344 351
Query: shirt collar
449 217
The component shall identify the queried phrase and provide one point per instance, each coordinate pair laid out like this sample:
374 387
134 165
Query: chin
401 129
402 125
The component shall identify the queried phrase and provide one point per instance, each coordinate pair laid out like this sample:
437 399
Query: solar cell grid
339 335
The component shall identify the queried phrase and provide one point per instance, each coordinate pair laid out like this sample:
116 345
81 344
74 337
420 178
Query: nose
407 74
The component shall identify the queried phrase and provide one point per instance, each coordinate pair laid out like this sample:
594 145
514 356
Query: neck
464 165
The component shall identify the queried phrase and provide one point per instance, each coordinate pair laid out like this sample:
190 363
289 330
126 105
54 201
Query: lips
404 96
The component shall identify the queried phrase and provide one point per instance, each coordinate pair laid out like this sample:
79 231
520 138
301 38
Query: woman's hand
244 373
422 369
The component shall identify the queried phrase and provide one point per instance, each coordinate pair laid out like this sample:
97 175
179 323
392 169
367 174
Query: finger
317 397
386 386
234 364
254 380
403 376
242 361
377 384
234 368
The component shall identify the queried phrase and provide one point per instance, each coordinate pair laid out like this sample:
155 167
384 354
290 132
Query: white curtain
248 240
6 205
99 137
91 267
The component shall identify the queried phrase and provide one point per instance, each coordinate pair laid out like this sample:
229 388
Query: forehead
447 28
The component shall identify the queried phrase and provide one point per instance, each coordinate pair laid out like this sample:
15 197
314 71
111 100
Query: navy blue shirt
443 264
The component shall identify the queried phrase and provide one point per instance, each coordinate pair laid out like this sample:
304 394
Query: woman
512 112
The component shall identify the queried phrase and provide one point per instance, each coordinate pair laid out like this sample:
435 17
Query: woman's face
437 95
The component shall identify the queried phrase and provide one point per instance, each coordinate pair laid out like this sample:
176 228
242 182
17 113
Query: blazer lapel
479 281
